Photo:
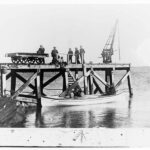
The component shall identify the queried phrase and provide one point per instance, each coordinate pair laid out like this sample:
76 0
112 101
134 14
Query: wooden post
107 78
41 81
91 84
66 79
129 85
76 75
112 76
88 84
13 81
38 88
85 80
3 82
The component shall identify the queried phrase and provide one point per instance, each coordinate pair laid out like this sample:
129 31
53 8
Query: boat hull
86 100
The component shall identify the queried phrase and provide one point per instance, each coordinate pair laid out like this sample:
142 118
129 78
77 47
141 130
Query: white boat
85 100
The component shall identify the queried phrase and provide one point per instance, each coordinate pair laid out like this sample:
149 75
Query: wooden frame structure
89 78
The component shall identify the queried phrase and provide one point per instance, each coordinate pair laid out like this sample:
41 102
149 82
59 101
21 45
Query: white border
54 136
74 2
70 138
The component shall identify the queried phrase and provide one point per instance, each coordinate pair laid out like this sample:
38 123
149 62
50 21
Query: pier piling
38 88
76 75
3 82
13 82
129 85
85 80
41 81
91 85
70 76
66 80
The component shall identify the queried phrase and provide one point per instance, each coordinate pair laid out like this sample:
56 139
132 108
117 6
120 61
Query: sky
24 27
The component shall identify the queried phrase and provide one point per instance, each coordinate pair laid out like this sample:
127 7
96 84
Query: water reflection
108 119
92 120
39 119
130 102
74 119
81 116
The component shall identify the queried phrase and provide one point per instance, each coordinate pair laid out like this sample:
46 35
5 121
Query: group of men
54 53
57 59
79 55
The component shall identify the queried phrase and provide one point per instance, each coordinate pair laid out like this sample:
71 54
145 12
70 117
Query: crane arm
108 48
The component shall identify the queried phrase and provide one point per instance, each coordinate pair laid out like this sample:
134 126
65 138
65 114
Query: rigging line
119 42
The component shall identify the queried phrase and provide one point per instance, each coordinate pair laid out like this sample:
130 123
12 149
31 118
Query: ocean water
132 113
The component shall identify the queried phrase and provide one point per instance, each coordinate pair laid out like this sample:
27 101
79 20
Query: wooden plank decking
97 66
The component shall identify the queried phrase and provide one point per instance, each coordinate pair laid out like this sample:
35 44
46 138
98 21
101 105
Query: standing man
82 52
41 50
77 53
54 54
70 54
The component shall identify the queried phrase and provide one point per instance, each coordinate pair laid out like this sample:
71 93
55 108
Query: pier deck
97 66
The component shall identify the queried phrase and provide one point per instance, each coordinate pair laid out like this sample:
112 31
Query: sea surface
132 113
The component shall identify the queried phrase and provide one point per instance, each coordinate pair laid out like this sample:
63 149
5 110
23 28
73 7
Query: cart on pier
27 58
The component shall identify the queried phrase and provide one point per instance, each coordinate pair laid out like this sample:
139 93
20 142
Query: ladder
71 79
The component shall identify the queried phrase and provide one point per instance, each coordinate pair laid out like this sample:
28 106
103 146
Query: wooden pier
69 74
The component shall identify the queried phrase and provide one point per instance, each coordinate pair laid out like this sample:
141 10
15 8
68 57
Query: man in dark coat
54 54
41 50
77 53
82 52
70 54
